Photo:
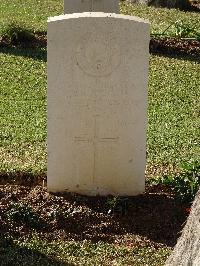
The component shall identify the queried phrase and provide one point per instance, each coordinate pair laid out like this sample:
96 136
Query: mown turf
174 94
31 14
162 18
23 110
38 252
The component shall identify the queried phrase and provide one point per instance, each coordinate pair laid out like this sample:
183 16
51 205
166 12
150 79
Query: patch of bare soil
175 46
154 217
35 40
163 46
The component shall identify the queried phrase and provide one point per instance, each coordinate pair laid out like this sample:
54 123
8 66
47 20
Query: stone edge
96 15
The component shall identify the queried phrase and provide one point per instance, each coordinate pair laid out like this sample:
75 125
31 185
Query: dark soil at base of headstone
154 217
184 5
175 46
38 39
161 46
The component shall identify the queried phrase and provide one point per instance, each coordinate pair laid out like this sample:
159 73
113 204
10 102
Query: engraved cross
95 139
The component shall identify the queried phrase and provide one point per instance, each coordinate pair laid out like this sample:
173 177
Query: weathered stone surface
97 103
78 6
187 249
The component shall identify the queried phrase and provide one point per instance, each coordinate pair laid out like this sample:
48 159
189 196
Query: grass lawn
173 133
23 111
37 252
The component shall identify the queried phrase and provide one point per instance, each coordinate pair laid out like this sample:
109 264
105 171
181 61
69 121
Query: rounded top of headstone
97 15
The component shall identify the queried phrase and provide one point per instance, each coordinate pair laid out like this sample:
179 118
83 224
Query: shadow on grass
180 56
176 48
185 6
23 178
22 42
12 254
37 53
169 47
40 53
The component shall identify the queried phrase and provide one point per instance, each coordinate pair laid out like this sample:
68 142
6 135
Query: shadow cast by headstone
12 254
182 5
155 216
178 56
191 9
23 178
174 48
158 46
37 53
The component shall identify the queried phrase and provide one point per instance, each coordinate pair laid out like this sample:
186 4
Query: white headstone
76 6
97 103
